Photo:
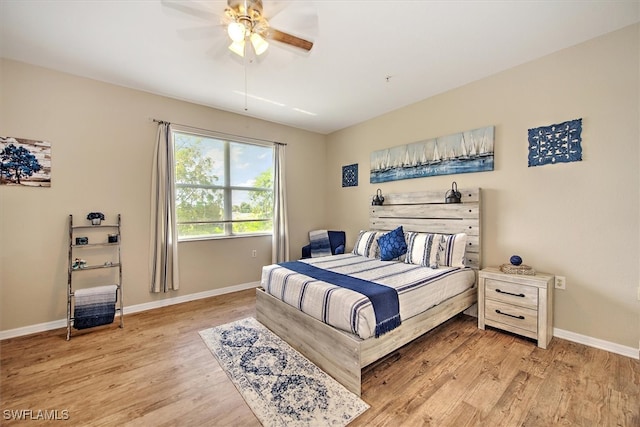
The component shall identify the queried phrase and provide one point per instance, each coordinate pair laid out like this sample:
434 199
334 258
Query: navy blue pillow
392 245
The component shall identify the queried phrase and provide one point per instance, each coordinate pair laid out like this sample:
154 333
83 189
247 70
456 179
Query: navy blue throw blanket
94 306
383 298
92 315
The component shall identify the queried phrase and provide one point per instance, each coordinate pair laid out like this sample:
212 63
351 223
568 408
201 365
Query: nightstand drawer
512 293
508 314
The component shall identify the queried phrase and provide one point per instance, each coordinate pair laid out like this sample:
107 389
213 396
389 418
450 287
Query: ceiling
369 57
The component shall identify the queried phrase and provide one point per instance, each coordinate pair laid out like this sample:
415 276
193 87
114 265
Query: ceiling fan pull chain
245 85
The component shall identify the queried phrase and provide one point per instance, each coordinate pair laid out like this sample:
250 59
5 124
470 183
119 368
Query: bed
349 344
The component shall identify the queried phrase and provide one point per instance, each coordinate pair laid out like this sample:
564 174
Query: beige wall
578 220
102 145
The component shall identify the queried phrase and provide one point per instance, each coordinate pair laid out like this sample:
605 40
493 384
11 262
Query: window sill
234 236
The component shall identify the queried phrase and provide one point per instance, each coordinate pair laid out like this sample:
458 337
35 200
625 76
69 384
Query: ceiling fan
247 26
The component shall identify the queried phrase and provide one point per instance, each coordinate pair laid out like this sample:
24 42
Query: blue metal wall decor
468 151
558 143
350 175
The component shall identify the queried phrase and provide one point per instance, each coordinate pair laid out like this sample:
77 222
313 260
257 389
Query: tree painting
25 162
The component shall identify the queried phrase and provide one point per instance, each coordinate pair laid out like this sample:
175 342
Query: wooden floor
158 372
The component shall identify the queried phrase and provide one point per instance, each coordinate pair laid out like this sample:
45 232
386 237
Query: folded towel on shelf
94 306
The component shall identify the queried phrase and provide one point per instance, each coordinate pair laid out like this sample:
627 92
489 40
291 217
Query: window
223 187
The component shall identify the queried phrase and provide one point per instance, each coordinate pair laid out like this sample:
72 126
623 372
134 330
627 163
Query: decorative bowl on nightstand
518 269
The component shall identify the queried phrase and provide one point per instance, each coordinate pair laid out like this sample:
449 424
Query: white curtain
280 242
164 236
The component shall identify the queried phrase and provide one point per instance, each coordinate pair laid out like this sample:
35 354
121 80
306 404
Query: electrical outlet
254 253
561 282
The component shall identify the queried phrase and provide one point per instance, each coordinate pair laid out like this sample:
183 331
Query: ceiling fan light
237 48
259 44
236 31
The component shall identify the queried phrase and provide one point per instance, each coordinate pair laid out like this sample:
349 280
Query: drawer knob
510 315
500 291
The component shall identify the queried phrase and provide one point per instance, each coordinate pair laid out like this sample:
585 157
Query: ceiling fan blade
275 7
299 17
191 8
289 39
202 32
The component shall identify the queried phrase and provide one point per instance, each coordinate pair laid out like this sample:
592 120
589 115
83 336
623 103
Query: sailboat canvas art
463 152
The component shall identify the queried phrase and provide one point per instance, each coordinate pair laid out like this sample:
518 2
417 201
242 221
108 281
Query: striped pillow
436 250
367 244
422 249
452 250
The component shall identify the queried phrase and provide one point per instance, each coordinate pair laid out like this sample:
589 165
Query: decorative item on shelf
517 267
453 195
378 199
112 238
79 264
95 217
82 241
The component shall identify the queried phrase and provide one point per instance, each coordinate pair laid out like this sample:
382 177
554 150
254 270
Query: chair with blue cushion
337 241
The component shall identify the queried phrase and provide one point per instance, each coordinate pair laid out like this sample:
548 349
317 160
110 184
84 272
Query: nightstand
517 303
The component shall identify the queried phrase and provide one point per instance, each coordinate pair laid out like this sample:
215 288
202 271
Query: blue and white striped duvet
419 288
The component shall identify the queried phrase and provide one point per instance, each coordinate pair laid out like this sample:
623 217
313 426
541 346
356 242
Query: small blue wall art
350 175
558 143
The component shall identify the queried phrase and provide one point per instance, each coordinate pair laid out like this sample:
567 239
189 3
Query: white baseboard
623 350
634 353
191 297
62 323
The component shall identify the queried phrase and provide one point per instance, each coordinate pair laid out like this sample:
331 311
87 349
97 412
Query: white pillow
367 244
436 250
422 249
452 250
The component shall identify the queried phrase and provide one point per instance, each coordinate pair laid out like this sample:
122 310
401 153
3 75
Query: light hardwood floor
158 372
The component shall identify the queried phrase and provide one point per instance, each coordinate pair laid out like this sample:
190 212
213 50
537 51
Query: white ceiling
369 57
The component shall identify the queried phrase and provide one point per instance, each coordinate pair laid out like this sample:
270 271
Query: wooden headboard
426 211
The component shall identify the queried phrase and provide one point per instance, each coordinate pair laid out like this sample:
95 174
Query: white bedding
419 288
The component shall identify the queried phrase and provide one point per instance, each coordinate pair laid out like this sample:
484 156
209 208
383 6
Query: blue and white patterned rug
280 385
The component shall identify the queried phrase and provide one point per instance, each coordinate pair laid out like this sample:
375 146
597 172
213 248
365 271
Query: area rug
281 386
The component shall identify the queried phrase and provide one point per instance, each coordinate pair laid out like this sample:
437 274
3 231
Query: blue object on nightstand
515 260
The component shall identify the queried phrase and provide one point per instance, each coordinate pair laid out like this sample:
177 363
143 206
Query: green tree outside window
222 187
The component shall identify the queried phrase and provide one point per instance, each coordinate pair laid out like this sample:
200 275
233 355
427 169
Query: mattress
419 288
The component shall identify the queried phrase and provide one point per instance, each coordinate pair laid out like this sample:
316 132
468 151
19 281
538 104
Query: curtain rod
219 133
